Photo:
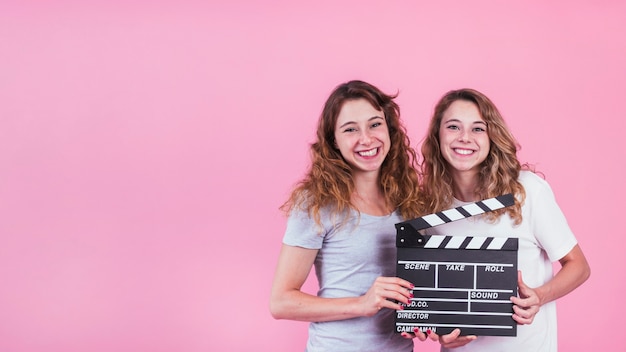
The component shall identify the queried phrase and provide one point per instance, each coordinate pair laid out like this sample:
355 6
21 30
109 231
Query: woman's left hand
451 340
527 304
417 333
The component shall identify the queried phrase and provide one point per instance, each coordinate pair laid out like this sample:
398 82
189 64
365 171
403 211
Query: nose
365 138
464 136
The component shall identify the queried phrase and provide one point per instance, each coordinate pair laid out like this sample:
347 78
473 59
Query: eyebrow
457 120
370 119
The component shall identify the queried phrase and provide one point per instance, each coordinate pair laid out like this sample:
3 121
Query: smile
463 151
370 152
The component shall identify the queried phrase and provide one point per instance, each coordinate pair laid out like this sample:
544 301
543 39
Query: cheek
486 145
443 136
387 139
445 155
442 142
484 152
344 146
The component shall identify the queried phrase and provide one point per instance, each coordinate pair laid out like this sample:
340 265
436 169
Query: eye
479 129
349 129
452 127
376 124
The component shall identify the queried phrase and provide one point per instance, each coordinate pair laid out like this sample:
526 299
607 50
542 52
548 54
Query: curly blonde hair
498 173
329 185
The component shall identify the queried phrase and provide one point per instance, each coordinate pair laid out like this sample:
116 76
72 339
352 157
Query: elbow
276 309
586 273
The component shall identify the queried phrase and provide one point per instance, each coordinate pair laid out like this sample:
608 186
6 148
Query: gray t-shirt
350 258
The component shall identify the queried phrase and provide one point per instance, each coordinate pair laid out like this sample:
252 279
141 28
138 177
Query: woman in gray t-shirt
341 220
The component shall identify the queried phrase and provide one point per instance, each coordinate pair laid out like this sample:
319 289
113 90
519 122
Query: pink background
146 146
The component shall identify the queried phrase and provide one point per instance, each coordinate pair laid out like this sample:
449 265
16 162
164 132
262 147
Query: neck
368 196
464 187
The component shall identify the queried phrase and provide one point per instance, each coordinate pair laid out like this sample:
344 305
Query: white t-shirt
544 237
350 258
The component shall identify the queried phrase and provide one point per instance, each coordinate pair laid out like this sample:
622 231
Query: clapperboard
460 281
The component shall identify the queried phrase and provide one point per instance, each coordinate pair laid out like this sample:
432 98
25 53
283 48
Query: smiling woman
470 155
341 220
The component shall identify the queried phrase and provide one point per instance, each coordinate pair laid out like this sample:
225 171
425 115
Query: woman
341 221
470 155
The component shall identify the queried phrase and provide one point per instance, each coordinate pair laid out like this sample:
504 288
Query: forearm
574 271
297 305
287 301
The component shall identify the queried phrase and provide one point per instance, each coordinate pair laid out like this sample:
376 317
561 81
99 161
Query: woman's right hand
386 292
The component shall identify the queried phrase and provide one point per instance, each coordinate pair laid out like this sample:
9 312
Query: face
362 136
463 137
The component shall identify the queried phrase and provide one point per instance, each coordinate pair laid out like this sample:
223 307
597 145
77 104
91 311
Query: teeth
370 152
464 151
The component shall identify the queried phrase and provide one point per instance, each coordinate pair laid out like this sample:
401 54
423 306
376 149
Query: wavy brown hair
498 173
329 185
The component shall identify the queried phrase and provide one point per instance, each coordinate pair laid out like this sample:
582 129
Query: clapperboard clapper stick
460 281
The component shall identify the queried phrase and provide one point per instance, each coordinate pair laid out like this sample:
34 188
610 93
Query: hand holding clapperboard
460 281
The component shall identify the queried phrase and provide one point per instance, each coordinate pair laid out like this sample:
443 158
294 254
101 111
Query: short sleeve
548 222
303 231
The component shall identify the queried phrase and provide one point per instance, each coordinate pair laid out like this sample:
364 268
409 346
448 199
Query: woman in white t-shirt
470 155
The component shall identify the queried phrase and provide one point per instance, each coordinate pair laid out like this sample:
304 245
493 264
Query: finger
392 287
387 280
417 333
529 301
524 316
406 284
392 303
522 288
450 337
525 292
407 335
520 302
420 334
392 292
432 335
399 297
454 339
526 311
520 320
461 341
520 280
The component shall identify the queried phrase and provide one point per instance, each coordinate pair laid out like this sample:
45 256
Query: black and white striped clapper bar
460 281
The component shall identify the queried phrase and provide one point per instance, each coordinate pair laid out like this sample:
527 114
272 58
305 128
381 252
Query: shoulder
326 218
303 230
531 181
538 190
302 212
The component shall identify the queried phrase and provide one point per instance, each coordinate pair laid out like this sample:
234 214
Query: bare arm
574 271
287 301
